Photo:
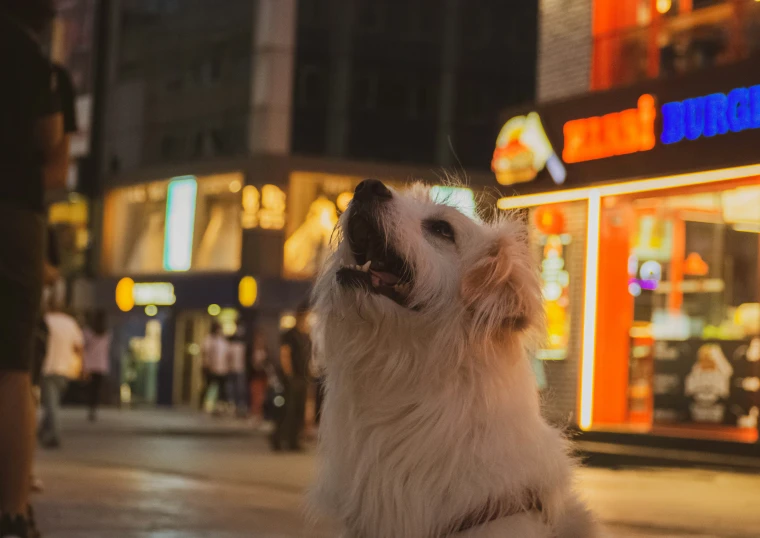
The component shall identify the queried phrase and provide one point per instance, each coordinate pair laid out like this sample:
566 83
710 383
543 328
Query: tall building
646 217
235 133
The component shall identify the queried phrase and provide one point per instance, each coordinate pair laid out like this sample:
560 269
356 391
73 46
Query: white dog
431 425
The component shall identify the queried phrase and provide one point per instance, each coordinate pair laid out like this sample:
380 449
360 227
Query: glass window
69 220
316 201
218 233
688 298
138 241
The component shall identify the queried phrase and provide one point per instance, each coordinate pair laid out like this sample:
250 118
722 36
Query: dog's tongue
386 279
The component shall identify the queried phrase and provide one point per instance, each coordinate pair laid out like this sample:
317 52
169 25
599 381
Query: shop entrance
678 321
138 341
192 328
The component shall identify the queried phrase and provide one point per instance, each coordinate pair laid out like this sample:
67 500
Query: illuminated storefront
236 247
175 266
650 253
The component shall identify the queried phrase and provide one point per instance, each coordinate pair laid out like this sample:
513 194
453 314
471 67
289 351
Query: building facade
233 141
643 195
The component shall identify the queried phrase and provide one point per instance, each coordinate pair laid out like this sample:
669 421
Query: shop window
685 304
69 220
638 39
149 231
218 234
316 201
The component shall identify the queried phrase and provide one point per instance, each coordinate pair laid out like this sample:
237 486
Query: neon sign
711 115
617 133
523 150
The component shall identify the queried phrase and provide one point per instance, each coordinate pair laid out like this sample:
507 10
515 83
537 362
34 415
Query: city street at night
172 474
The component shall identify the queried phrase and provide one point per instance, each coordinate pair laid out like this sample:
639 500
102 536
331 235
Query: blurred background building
645 207
229 138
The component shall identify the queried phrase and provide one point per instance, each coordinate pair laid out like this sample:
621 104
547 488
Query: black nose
371 190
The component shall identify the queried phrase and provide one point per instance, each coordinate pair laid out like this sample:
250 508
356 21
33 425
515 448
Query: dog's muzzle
379 268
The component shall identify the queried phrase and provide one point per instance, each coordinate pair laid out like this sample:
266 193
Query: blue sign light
711 115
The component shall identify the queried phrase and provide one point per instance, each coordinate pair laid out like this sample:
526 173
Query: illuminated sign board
523 150
617 133
130 293
711 115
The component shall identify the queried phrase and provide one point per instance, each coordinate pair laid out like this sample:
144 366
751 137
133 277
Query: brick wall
564 48
560 404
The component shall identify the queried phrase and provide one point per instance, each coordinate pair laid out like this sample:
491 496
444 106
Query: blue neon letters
711 115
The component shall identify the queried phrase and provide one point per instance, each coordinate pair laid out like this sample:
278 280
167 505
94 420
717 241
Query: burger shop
645 210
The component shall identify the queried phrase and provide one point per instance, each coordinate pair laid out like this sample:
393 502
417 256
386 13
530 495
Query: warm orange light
630 187
663 6
125 299
694 265
248 291
617 133
343 200
588 352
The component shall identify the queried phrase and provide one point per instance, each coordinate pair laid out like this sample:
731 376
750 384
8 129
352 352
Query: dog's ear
500 288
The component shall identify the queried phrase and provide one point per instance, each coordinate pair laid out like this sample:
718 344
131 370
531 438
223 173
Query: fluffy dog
431 425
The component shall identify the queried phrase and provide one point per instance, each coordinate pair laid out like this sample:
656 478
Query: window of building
638 39
679 320
371 16
311 86
69 220
153 228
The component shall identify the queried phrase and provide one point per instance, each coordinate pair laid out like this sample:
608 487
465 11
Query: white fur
431 413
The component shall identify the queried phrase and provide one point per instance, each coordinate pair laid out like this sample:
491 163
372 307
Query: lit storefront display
182 224
69 220
173 266
317 201
666 337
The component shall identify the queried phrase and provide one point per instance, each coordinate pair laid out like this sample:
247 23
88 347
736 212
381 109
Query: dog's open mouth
379 269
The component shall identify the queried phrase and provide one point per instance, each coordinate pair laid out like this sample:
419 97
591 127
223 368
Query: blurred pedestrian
96 364
237 388
33 156
215 361
62 363
260 358
295 353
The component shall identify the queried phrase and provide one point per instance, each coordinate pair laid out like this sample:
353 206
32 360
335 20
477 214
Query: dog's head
402 256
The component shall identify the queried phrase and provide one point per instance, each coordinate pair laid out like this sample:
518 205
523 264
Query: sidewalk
156 421
180 474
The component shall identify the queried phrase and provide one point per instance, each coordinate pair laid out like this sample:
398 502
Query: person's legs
241 394
204 391
53 388
96 382
297 413
258 395
281 416
22 246
16 441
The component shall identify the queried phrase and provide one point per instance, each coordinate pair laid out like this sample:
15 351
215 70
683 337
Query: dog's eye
441 228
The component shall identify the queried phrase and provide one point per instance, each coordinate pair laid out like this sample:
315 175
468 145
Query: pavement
178 474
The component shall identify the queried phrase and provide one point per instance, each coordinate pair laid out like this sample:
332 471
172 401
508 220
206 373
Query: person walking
215 360
33 156
62 364
295 353
97 352
237 386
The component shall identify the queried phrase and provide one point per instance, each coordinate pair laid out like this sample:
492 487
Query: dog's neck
407 448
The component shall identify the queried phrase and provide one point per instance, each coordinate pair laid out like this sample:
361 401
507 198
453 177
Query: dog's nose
372 190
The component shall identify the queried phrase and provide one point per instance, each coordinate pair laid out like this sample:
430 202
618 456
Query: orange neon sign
617 133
